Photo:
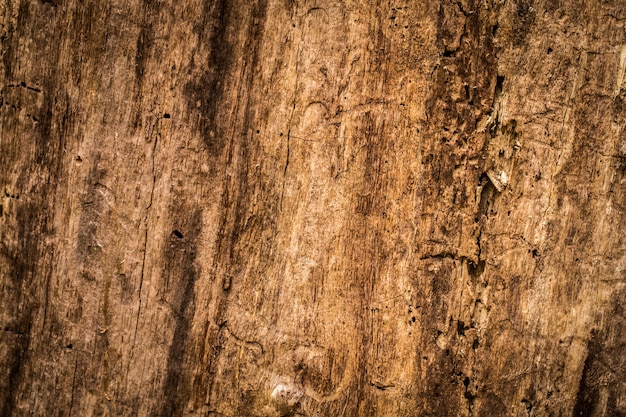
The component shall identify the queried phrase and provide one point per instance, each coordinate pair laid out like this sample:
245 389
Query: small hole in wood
499 84
166 116
177 234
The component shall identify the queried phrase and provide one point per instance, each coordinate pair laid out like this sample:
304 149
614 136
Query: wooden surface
314 208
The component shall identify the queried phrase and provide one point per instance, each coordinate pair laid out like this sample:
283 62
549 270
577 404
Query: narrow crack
145 245
441 255
380 386
248 343
287 159
73 384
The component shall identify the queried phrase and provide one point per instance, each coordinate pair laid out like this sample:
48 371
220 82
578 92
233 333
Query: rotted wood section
312 208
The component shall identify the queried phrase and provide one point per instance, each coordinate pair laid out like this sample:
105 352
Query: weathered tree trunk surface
315 208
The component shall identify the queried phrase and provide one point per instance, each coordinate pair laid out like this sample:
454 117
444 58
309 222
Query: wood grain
288 208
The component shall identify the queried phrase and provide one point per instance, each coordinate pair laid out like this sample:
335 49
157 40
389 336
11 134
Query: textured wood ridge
312 208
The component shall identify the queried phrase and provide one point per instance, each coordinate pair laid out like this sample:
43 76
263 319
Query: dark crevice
475 344
460 328
26 86
462 9
497 93
470 400
488 195
450 52
441 255
528 406
287 157
499 85
498 88
381 387
476 270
